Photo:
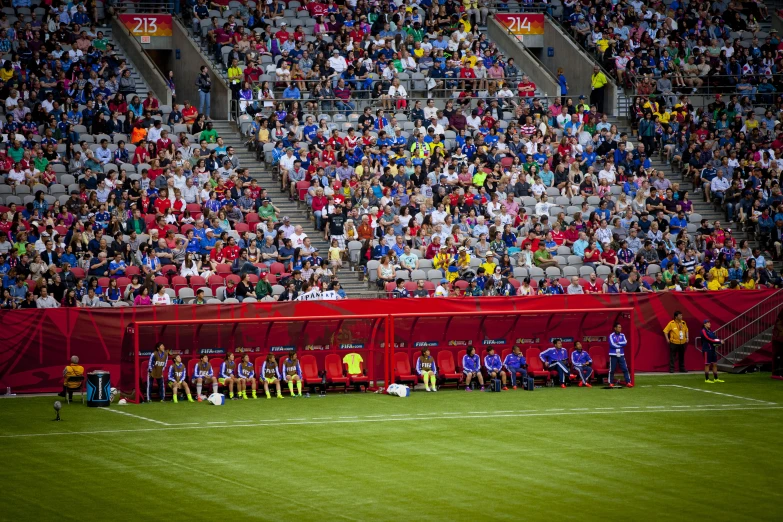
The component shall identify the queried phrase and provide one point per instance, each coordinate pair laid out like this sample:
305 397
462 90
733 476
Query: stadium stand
452 174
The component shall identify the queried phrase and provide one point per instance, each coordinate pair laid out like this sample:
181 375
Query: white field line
119 412
715 393
387 419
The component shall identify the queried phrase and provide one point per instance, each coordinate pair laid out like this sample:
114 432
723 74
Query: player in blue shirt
494 366
203 374
471 367
515 363
581 361
709 342
617 344
228 375
555 358
246 373
178 376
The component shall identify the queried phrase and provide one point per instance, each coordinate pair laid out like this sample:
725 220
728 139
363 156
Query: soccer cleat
200 399
244 396
280 396
254 394
611 385
580 384
467 388
719 380
434 389
629 385
482 388
505 388
588 385
708 381
231 395
562 386
190 399
514 387
426 388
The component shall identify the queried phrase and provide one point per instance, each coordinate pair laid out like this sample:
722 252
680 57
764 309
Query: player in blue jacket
617 344
471 367
270 374
178 376
556 358
228 376
494 366
155 369
581 362
709 343
203 374
246 374
425 366
515 363
292 373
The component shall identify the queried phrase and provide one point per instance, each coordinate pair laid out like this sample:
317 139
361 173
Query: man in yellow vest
597 85
676 333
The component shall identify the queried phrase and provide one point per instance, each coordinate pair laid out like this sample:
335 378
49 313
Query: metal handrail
148 6
748 325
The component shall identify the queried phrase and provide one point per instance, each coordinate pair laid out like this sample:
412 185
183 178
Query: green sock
291 387
174 397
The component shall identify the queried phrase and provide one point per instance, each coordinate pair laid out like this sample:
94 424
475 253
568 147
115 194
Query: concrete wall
776 22
526 62
186 62
147 69
576 63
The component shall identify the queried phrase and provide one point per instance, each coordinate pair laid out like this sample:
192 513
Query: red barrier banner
522 23
147 24
35 345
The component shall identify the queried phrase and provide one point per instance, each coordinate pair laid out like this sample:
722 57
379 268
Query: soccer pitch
671 448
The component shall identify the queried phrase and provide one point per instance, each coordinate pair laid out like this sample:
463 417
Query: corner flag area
673 446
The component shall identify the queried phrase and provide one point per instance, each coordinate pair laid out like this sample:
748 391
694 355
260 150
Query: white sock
198 390
214 387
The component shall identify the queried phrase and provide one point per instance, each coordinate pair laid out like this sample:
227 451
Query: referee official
709 343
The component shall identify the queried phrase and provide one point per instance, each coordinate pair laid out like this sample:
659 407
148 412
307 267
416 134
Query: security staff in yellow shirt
676 333
71 378
598 85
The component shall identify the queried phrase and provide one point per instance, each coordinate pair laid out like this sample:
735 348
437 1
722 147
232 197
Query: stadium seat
334 371
535 368
447 370
402 370
600 356
360 379
311 377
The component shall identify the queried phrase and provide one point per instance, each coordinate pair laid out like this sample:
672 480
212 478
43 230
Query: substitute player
155 369
178 377
271 375
228 376
471 367
556 358
425 366
292 373
581 361
709 343
494 366
617 344
515 363
246 374
202 375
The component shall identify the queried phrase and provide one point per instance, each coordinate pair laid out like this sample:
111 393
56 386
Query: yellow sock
426 380
291 387
299 387
268 395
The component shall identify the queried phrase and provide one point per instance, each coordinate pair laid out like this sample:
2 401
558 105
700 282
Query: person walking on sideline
676 333
617 344
204 84
709 343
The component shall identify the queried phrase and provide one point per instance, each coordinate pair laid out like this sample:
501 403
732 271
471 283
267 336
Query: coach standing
676 333
598 83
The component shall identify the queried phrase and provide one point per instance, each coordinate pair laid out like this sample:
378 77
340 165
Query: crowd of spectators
485 194
109 198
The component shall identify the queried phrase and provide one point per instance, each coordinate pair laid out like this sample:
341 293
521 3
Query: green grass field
667 449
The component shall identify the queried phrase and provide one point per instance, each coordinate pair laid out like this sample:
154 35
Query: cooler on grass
98 389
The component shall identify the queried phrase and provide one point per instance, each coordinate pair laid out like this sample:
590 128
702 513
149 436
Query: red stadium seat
30 285
259 362
429 286
301 189
535 367
461 284
186 227
447 370
223 269
271 279
515 283
197 282
600 356
389 287
178 282
334 371
193 207
191 368
233 277
309 365
360 379
505 353
252 220
129 272
402 369
277 268
103 282
162 281
410 286
123 282
215 282
78 273
460 355
241 227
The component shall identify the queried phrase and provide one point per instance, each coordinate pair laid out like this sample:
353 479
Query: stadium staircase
141 86
349 280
